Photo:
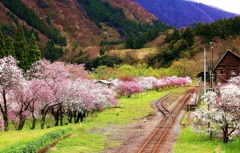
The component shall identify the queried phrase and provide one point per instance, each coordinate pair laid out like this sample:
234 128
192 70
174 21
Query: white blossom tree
224 109
10 78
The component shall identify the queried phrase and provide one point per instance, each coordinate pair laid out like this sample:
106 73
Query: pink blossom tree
77 71
86 95
22 100
55 75
224 109
10 77
128 88
41 94
147 83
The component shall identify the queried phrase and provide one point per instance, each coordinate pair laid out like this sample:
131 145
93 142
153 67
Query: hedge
38 143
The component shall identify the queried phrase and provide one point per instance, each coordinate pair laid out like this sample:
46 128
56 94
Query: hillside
182 13
112 32
75 28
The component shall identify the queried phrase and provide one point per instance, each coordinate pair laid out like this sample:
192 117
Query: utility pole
212 74
204 77
211 87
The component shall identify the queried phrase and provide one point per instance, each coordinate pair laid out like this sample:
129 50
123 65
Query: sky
227 5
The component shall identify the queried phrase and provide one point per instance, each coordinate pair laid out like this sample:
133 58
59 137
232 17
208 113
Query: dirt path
132 135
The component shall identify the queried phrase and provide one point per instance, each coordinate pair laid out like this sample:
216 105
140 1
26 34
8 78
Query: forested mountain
72 25
83 31
182 13
186 43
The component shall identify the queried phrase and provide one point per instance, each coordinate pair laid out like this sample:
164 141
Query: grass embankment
192 142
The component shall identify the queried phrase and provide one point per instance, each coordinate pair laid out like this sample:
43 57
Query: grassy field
192 142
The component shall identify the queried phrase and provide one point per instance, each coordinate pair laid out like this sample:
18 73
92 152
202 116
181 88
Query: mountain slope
182 13
75 27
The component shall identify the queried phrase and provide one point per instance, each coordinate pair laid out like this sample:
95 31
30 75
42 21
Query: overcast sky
227 5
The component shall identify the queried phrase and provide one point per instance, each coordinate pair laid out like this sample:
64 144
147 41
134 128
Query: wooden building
227 67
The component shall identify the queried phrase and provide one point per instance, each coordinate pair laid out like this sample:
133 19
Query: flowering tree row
128 86
57 88
224 112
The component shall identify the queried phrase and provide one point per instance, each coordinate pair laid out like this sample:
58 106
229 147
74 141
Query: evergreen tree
176 35
21 49
189 35
2 44
9 47
34 52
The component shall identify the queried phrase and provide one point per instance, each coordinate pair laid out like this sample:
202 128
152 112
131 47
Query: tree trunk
61 116
21 122
34 120
225 134
78 117
82 116
5 118
70 115
43 118
4 110
74 116
56 118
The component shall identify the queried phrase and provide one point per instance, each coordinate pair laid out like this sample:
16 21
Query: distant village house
227 67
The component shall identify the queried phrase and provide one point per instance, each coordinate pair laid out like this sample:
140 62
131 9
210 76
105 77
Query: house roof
103 81
229 51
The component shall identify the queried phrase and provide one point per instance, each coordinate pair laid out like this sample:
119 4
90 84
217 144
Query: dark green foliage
105 60
2 44
38 143
168 54
189 35
9 47
138 33
173 37
34 52
101 52
25 51
21 49
8 30
109 43
48 19
51 52
137 43
14 19
222 28
23 12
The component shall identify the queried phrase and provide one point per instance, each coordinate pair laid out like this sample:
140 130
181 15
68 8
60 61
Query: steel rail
160 102
153 142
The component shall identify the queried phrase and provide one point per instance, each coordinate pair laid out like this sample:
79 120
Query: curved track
160 106
153 143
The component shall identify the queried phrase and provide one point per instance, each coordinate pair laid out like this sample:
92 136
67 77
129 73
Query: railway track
152 145
160 106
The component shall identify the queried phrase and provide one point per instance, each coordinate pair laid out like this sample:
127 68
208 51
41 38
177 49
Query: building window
233 72
220 72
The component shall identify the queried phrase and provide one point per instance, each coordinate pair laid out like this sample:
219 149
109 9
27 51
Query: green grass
191 142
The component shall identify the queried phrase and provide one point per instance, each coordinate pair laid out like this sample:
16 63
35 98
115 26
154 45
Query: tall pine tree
21 49
34 51
2 44
9 46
